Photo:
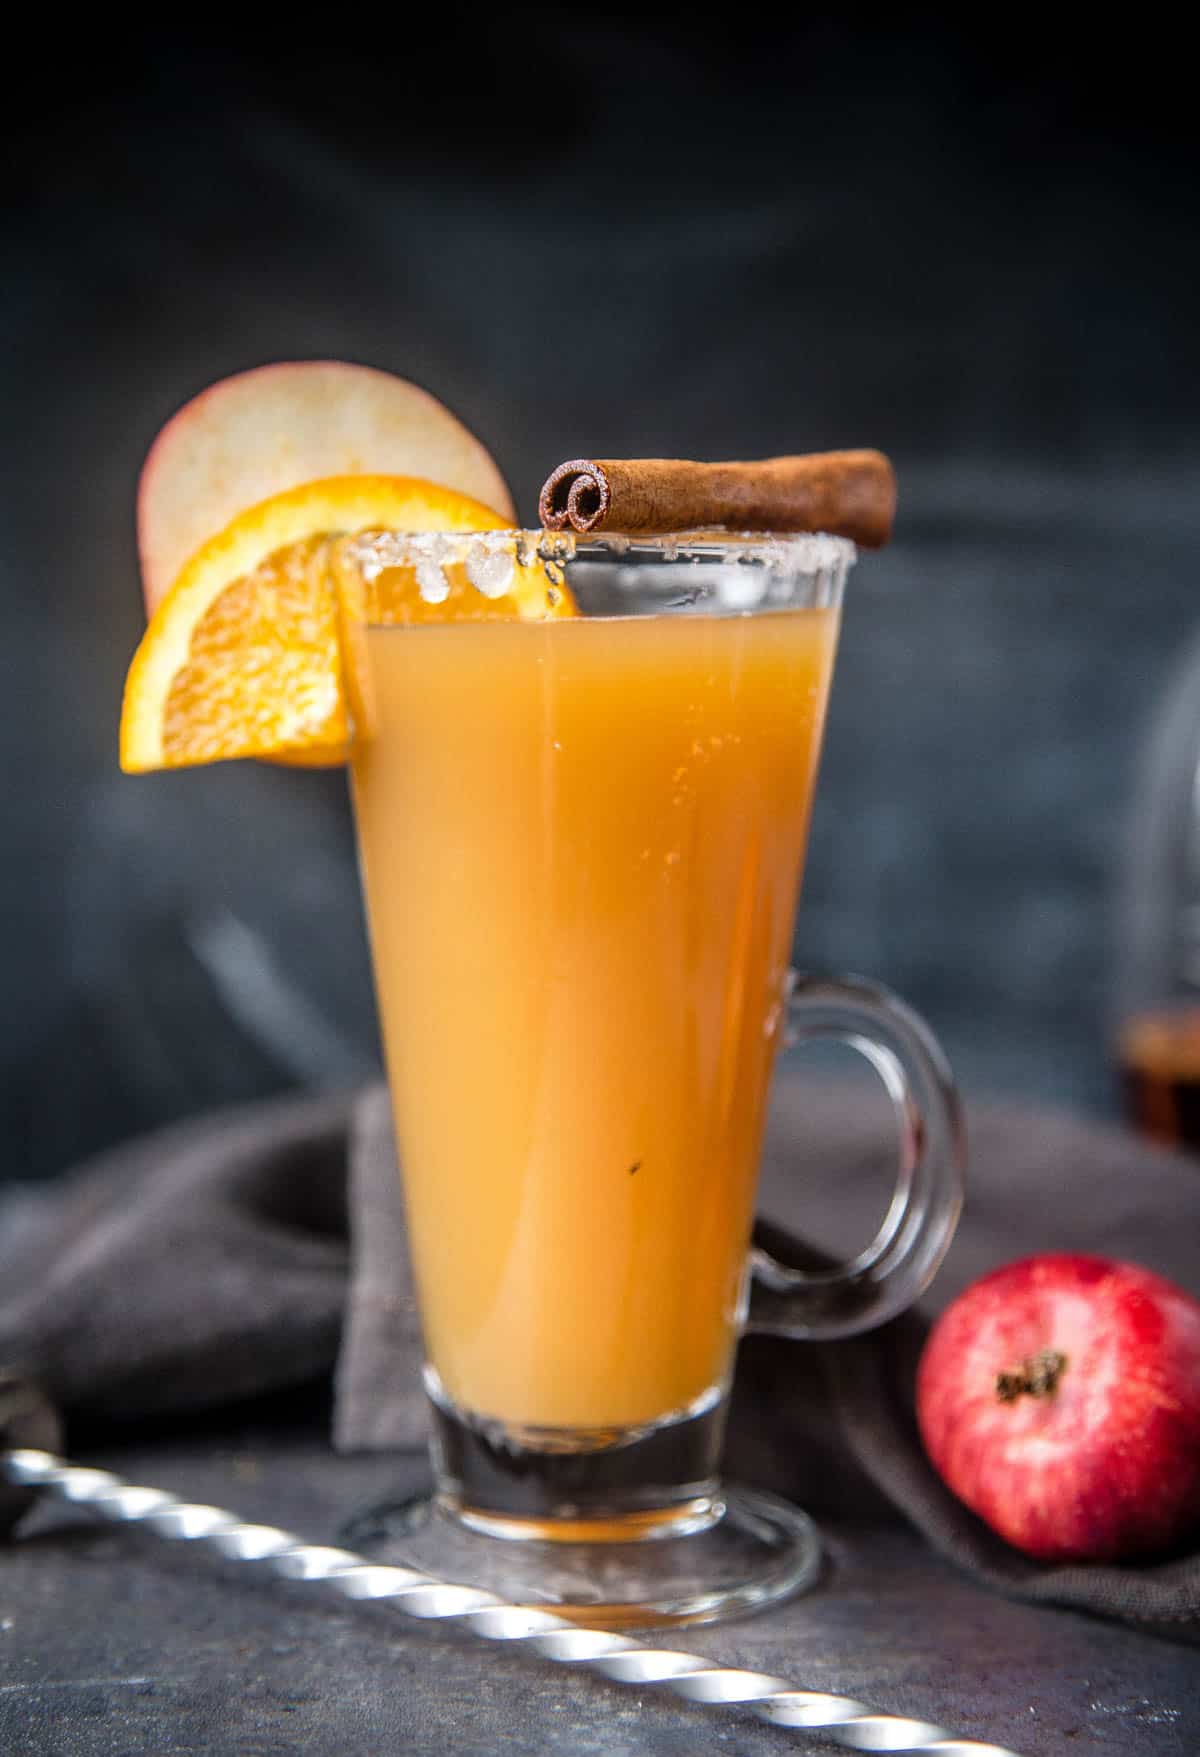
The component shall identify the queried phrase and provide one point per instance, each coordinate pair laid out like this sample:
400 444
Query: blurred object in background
1157 1028
211 926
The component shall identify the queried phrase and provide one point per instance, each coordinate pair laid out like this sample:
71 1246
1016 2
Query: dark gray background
978 254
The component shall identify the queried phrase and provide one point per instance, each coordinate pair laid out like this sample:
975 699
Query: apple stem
1036 1376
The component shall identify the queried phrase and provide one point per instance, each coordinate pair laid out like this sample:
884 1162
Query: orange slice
252 652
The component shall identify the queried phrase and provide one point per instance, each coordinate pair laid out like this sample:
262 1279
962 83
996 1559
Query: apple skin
265 431
1106 1464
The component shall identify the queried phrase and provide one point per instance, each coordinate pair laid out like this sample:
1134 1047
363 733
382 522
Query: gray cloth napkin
265 1248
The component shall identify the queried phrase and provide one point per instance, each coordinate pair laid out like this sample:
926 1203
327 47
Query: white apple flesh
271 429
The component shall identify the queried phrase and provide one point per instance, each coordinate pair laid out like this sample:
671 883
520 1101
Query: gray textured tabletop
113 1642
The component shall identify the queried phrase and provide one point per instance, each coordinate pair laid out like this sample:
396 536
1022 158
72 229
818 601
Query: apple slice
264 432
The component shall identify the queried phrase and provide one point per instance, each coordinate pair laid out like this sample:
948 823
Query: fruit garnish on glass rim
263 432
252 650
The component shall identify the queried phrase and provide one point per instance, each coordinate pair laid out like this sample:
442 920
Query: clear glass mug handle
901 1260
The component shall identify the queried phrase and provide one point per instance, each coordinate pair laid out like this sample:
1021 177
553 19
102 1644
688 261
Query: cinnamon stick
848 493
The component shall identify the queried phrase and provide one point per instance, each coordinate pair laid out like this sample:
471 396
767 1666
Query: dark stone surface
112 1642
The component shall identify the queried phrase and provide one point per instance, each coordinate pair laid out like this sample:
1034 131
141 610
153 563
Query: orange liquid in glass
582 843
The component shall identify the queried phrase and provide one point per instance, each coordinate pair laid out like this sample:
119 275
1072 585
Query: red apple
263 432
1060 1399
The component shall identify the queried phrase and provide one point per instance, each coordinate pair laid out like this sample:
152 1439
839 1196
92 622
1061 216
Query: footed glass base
717 1555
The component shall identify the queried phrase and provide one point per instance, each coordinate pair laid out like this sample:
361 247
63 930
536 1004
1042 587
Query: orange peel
253 652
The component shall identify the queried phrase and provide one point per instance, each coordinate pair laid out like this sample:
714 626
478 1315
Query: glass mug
581 841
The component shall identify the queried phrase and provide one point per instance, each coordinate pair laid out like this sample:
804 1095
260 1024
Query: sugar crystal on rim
431 579
490 568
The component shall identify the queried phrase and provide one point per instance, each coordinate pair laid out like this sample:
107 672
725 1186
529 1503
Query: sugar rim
800 552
